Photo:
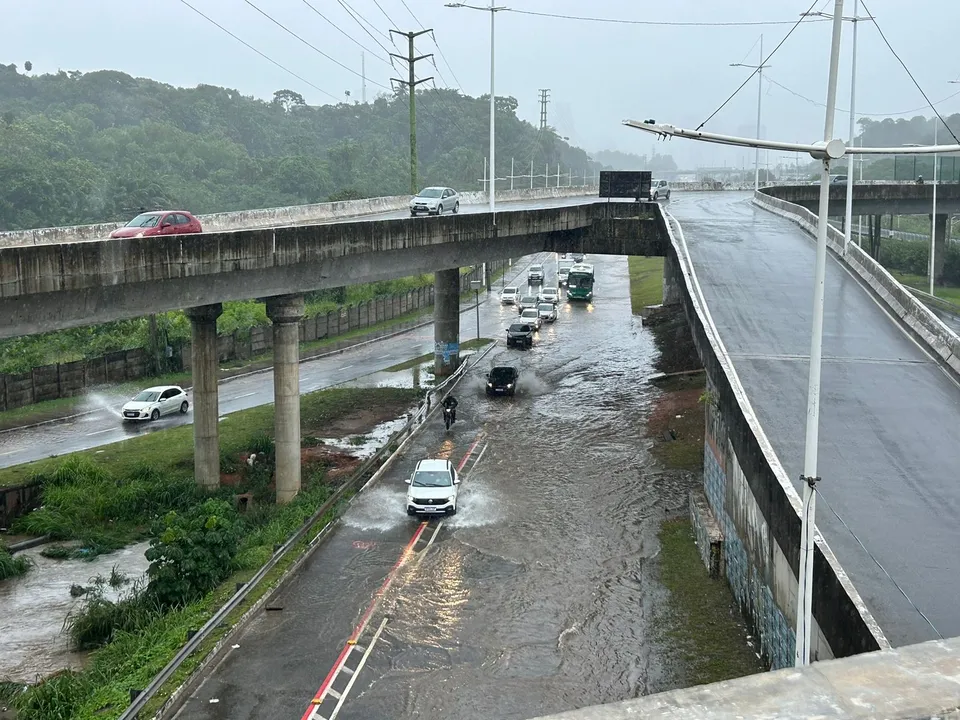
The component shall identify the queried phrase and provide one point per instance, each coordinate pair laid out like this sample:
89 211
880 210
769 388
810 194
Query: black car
502 380
520 335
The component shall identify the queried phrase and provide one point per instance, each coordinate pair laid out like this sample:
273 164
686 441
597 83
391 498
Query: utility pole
544 95
411 82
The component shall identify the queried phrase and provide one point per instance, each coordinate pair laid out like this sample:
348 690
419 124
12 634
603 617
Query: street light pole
832 150
848 217
933 218
759 68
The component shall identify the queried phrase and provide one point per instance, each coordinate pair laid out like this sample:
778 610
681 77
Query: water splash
106 403
380 508
478 505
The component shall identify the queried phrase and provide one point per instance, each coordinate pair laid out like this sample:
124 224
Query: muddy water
34 606
543 596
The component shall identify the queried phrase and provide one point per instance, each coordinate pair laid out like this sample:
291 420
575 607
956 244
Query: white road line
426 547
346 367
356 671
100 432
383 357
242 396
9 452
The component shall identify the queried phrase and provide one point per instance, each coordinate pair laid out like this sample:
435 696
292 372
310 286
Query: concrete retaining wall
757 507
921 321
279 216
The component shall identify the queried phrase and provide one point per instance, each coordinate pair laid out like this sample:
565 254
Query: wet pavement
538 596
36 605
105 426
889 414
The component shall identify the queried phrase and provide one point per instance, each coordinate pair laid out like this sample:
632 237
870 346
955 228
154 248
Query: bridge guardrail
931 330
280 216
392 448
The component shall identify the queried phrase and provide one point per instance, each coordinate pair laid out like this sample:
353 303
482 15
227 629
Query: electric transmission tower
544 95
411 82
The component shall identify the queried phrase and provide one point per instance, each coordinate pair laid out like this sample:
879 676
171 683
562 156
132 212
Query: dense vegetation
78 148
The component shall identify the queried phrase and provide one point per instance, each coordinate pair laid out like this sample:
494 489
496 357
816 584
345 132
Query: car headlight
509 385
490 384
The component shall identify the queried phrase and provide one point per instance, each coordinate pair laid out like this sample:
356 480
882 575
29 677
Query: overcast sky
598 73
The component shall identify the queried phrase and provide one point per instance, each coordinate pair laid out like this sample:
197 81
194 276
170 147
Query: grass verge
922 282
704 623
646 282
408 364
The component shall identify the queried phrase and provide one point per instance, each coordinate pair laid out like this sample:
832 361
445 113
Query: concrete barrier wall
270 217
936 336
758 508
49 382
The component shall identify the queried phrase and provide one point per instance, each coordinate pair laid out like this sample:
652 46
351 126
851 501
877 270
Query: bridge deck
889 415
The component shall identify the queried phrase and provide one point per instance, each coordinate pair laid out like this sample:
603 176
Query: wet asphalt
537 597
889 414
104 426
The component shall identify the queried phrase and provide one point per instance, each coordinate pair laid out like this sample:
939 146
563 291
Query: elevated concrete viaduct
61 285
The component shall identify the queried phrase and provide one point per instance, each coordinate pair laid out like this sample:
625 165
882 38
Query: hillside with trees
91 147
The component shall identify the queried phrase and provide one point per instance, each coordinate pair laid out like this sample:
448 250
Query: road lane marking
356 671
345 367
384 357
242 396
99 432
426 547
309 713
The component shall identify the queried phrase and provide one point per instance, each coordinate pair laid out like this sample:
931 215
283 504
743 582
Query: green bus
580 282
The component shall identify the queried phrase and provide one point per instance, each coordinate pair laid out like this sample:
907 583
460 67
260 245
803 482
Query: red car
164 222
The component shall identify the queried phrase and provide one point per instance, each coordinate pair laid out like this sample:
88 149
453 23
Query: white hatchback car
434 488
153 402
547 312
509 296
435 200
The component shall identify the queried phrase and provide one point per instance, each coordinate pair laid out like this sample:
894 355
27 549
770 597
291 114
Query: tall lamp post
848 216
493 10
759 68
476 285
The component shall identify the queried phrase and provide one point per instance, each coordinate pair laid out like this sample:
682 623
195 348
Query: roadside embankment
703 621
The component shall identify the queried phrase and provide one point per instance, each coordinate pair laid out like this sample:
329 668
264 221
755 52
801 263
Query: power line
360 20
310 45
620 21
345 34
904 65
761 65
384 12
439 49
264 56
864 113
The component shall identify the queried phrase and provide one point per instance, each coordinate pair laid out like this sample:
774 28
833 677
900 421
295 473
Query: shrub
13 566
191 553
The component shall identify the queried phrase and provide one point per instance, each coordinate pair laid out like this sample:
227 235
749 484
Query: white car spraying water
154 402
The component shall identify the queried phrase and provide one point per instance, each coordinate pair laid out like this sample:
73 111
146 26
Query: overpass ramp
889 414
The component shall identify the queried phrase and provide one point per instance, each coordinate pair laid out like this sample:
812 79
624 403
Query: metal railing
390 448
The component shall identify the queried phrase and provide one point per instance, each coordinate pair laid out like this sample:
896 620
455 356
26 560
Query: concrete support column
446 321
206 406
672 278
286 312
941 223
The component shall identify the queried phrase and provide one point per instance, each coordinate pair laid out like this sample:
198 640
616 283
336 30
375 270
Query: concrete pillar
206 406
286 311
672 278
940 246
446 321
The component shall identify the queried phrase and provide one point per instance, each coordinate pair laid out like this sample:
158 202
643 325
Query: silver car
435 200
547 312
528 301
531 316
509 296
550 295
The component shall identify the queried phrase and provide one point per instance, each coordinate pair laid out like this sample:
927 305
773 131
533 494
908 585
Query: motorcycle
449 417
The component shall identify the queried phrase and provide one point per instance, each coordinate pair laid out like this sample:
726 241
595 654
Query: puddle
363 446
36 604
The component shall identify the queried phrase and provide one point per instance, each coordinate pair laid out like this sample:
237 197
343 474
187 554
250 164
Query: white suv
535 274
509 296
434 487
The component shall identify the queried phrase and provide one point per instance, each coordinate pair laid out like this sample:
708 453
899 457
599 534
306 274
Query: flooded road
35 605
538 596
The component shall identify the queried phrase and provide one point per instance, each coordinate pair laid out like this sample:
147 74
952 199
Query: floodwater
542 597
34 606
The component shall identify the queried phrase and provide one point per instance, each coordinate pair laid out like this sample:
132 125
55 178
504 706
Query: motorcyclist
450 403
919 179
